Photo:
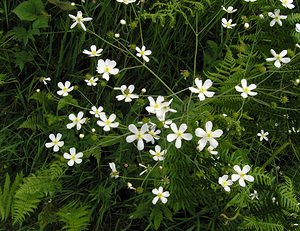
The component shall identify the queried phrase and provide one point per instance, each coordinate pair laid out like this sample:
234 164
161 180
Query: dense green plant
112 188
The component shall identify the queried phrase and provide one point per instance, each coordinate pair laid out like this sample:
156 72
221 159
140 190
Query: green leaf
157 217
68 100
167 212
22 57
29 10
41 22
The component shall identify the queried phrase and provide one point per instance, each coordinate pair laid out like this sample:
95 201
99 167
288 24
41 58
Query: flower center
107 69
228 24
158 154
202 90
107 122
224 183
179 134
242 175
246 90
142 52
76 120
65 89
73 157
94 52
209 135
139 135
55 142
159 195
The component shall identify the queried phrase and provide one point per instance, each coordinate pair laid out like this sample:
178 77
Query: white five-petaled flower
139 135
96 111
263 135
225 183
227 24
201 89
245 89
106 68
79 20
114 173
287 3
126 1
276 17
93 52
76 120
107 123
229 10
127 93
159 107
91 82
73 157
158 154
298 27
55 142
154 133
179 134
65 89
143 53
278 58
208 136
241 175
160 195
253 195
45 79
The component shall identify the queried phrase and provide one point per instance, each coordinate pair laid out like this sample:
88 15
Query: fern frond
75 216
253 223
287 196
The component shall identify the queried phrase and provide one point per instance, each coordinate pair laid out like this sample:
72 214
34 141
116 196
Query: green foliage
75 216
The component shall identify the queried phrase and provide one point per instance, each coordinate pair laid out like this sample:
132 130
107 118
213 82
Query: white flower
201 90
263 135
158 155
107 67
107 123
126 1
278 58
159 107
227 24
246 25
225 183
160 195
76 121
153 133
254 195
276 17
45 79
96 111
143 53
65 89
73 157
241 176
123 22
210 149
298 27
117 35
287 3
79 20
139 135
208 136
94 52
55 142
179 134
246 90
229 10
127 94
114 173
91 82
